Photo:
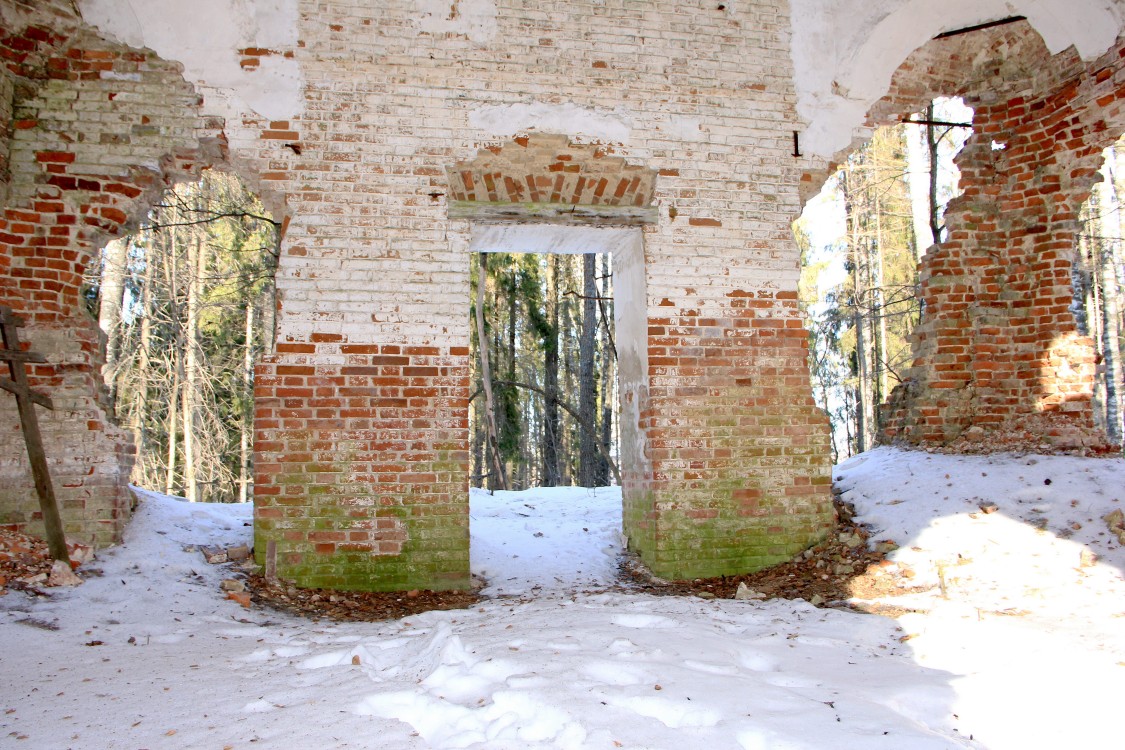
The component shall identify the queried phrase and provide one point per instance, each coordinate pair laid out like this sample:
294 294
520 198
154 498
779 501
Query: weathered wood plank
25 403
7 355
38 398
554 213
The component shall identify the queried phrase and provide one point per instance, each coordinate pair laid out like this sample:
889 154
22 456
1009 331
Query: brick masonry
375 292
998 347
361 413
95 131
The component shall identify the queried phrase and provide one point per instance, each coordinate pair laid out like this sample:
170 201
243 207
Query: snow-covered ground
1014 636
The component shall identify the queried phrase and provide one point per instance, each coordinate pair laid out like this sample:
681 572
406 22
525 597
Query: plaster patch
683 128
475 19
846 51
205 36
568 119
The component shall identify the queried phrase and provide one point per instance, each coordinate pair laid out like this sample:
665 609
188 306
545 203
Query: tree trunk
569 376
551 379
248 413
478 433
587 384
608 379
192 368
932 142
859 255
922 185
1110 311
115 259
501 480
175 362
879 320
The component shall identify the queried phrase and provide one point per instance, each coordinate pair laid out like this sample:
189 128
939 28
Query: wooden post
25 402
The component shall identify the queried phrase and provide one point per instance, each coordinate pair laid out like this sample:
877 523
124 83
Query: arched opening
861 240
997 359
185 305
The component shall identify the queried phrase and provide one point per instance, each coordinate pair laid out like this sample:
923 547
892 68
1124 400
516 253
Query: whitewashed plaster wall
206 37
845 51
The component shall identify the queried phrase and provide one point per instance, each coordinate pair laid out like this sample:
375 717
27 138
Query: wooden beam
10 356
25 403
575 214
11 387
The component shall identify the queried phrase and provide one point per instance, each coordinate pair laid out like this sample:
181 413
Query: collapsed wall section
94 130
998 352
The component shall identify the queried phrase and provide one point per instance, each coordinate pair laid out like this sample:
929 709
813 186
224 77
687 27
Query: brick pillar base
739 477
362 465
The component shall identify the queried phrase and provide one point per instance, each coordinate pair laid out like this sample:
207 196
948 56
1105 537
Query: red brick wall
998 346
76 177
362 467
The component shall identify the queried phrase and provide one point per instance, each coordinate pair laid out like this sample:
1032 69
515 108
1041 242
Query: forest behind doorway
544 371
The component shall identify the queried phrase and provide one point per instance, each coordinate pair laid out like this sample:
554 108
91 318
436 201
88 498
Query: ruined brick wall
361 412
998 349
96 132
362 438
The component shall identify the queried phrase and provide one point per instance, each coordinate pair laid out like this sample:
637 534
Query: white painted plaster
475 19
845 51
550 238
630 314
204 36
505 120
683 128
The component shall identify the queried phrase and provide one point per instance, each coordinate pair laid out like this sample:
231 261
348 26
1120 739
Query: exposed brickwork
362 466
727 379
361 413
998 343
372 260
96 132
564 173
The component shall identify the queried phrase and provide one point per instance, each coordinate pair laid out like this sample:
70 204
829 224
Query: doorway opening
552 308
546 414
553 403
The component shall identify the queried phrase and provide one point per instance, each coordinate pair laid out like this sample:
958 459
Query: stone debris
216 555
744 592
242 597
62 575
232 584
26 561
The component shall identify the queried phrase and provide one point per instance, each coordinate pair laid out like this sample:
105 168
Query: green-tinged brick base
675 545
435 557
357 488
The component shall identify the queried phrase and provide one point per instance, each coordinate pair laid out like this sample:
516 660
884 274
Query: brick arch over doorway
998 355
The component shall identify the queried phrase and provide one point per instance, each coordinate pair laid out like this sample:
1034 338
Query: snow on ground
1015 636
1025 604
528 542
